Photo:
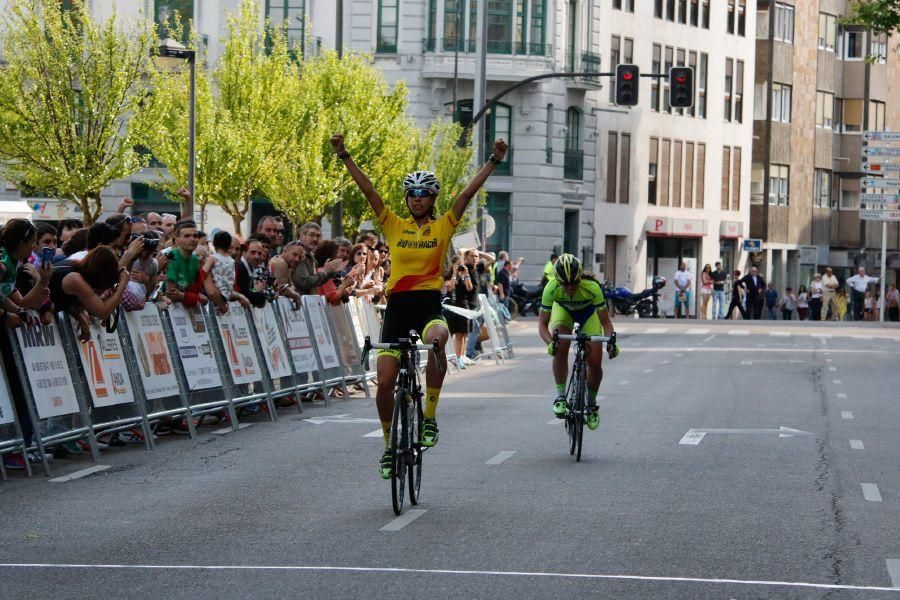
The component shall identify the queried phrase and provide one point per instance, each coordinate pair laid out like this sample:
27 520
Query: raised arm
462 201
361 179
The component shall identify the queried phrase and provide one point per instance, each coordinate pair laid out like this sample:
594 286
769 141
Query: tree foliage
881 16
247 116
67 94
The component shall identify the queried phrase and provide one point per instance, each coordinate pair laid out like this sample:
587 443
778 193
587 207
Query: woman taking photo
460 295
16 245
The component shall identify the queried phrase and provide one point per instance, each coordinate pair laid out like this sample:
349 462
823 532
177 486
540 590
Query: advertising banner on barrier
356 318
194 347
343 331
239 351
105 371
6 412
299 339
48 371
271 342
321 332
149 341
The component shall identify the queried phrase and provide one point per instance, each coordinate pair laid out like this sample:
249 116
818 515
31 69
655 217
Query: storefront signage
753 246
731 229
667 226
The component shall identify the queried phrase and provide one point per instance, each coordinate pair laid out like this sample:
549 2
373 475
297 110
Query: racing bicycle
406 425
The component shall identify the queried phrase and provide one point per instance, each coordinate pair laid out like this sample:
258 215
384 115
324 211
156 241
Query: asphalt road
689 489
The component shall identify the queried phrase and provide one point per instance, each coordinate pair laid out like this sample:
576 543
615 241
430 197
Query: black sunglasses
419 193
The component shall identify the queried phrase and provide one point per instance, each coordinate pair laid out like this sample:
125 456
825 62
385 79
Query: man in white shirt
858 285
683 280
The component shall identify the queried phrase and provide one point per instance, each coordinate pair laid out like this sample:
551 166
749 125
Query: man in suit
756 291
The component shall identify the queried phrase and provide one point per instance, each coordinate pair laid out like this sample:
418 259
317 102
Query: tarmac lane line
80 474
893 568
501 457
857 445
846 414
404 519
870 492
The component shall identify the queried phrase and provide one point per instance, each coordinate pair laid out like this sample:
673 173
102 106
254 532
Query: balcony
504 168
586 62
470 46
573 164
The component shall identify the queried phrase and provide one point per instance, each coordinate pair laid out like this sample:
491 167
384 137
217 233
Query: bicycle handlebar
402 345
581 336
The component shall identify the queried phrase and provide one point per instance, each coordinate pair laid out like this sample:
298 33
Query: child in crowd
788 304
221 265
868 307
802 303
841 302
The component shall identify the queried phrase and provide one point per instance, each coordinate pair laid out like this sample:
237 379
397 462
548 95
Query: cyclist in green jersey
572 298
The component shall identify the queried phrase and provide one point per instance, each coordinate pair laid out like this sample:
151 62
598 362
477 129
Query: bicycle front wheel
399 445
414 411
580 404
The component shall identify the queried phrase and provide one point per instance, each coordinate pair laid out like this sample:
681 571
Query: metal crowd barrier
11 438
332 372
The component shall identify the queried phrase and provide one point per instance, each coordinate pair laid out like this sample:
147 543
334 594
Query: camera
151 242
461 268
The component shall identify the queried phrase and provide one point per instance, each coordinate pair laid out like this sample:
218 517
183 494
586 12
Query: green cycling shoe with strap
593 418
560 407
386 466
429 433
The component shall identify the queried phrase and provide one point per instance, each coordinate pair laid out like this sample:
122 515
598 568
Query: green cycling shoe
386 466
593 418
429 433
560 407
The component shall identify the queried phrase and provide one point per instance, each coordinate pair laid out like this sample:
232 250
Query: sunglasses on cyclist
419 193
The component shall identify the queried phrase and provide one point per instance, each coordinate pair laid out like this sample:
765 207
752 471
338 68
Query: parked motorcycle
521 301
626 302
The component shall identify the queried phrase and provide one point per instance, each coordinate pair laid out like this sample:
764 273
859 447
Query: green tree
882 16
67 95
247 115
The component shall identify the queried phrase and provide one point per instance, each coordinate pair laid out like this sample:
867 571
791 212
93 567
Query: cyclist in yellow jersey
571 298
418 245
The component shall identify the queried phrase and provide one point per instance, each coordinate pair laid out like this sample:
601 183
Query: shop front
671 241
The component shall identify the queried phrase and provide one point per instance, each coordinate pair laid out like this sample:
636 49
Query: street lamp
172 54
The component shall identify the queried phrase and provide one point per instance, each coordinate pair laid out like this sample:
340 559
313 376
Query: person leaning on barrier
16 245
184 277
79 288
282 267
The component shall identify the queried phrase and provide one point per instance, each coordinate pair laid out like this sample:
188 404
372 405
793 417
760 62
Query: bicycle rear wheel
399 444
579 415
415 456
571 417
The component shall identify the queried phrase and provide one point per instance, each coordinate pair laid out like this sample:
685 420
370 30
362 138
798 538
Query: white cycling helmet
421 180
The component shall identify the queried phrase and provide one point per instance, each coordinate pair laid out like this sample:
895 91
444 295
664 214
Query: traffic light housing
681 85
628 79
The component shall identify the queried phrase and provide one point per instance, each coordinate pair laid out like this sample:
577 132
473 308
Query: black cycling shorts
407 311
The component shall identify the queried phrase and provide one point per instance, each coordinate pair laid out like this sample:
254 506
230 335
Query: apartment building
674 184
818 86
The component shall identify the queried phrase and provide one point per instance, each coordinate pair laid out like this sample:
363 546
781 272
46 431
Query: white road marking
892 566
778 362
857 445
823 336
679 355
502 456
697 331
710 338
836 381
556 422
846 414
862 337
404 519
832 369
694 436
666 362
842 395
657 330
829 360
375 434
738 332
227 430
870 492
745 349
624 382
80 474
760 345
780 333
648 370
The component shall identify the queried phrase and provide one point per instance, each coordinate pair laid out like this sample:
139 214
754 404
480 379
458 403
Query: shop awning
670 227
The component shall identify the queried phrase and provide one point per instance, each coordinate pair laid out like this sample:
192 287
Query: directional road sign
880 151
879 215
753 245
881 136
875 182
879 198
869 167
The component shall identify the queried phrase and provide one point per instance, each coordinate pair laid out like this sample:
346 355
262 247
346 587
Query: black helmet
568 269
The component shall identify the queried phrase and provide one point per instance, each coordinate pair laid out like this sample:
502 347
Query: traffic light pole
464 136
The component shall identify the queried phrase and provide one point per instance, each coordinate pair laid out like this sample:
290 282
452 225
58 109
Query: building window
536 17
682 11
701 85
658 9
689 174
742 18
784 23
757 193
853 45
652 161
386 40
290 17
454 22
739 92
499 125
665 172
669 57
692 63
730 16
726 177
628 51
548 142
729 84
615 46
612 167
695 12
573 165
827 31
626 5
879 48
876 116
625 169
679 61
781 103
670 10
654 85
736 179
701 175
164 13
824 110
853 115
849 200
499 26
822 189
499 206
779 184
704 14
677 172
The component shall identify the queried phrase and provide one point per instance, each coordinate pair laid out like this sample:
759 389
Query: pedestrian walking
830 286
858 285
893 303
706 289
737 297
815 298
788 304
755 284
771 302
719 277
802 303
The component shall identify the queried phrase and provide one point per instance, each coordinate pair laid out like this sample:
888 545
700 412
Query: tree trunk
237 218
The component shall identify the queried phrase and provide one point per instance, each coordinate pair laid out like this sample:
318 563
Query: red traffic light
627 76
681 79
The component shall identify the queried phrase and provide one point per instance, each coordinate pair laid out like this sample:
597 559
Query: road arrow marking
694 436
339 419
779 362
